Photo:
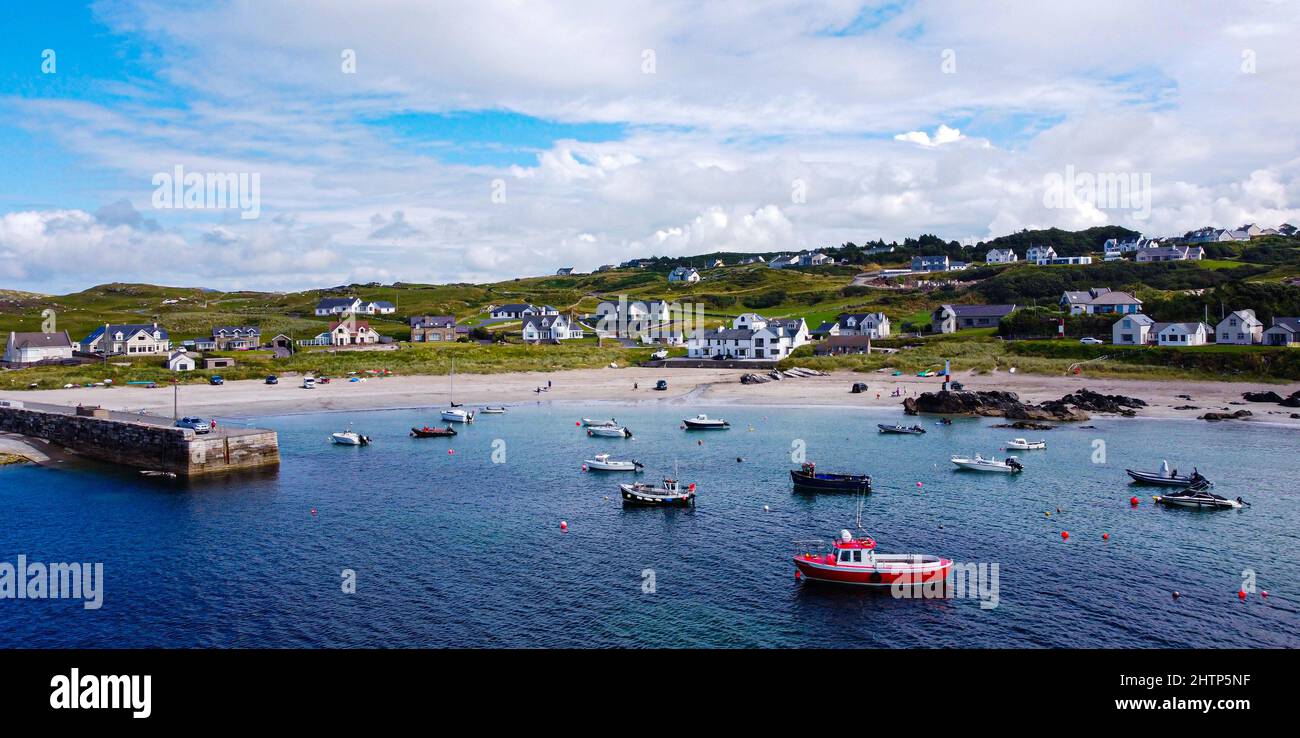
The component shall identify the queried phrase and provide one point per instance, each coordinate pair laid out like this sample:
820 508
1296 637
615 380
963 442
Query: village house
825 330
352 333
815 258
32 348
231 338
564 271
549 328
130 339
180 361
1001 256
753 260
1171 253
688 275
514 310
930 263
433 328
1284 332
1240 327
630 319
1040 254
876 250
379 307
841 345
1181 334
874 325
1132 330
783 261
952 318
338 305
1065 261
751 336
1099 300
717 263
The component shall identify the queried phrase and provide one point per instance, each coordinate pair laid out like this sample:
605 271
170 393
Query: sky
418 141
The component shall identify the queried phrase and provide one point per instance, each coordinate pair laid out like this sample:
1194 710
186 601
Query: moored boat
456 415
602 462
1165 477
589 422
490 410
704 422
808 479
1021 444
855 561
433 432
670 494
915 430
978 463
349 438
1198 495
609 431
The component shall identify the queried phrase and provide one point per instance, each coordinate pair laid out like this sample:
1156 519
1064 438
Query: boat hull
1155 479
890 570
458 417
858 483
1197 504
617 466
993 468
634 498
432 433
900 431
696 425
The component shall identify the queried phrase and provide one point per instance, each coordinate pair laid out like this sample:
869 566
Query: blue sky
491 140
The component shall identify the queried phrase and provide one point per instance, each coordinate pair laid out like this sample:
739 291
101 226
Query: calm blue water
455 550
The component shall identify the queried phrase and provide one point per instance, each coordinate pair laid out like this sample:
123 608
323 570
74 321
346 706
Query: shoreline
710 387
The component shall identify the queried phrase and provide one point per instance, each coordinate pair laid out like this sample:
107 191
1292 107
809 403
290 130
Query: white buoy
767 509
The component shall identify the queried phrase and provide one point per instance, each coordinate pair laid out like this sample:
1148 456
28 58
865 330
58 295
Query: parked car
272 379
194 423
661 384
308 383
1090 341
216 379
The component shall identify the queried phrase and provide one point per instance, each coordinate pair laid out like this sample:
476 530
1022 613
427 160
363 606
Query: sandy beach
687 387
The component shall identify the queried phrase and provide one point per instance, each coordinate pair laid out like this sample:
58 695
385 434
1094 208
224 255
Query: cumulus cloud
942 135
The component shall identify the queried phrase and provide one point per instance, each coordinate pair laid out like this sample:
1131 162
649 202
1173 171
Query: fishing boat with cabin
807 479
669 494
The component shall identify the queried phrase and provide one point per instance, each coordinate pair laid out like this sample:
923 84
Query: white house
29 348
688 275
1181 334
1040 254
354 334
1132 330
133 339
1001 256
1284 332
1240 327
930 263
180 361
1171 253
549 328
783 261
874 325
379 307
513 310
338 305
815 258
751 337
1099 300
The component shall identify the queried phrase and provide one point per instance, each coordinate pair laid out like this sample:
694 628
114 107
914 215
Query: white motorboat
350 438
704 422
588 422
455 415
609 431
602 462
1021 444
490 410
1010 466
1199 496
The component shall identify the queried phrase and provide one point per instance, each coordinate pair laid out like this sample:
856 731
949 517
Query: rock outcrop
1226 416
1261 397
1086 399
989 404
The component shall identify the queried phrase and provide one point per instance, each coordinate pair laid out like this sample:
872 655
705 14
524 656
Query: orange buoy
1105 536
796 575
1241 594
918 485
1133 501
1065 535
564 525
578 423
1263 593
451 452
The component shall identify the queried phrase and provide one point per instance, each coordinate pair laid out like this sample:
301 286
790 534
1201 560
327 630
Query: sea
499 537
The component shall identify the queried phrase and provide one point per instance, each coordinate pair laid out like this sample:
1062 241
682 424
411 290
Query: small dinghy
915 430
435 432
489 410
1198 495
602 462
609 431
1021 444
1010 466
855 561
1166 477
156 473
670 494
808 479
704 422
349 438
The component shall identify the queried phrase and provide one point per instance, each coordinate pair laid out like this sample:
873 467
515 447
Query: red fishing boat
855 561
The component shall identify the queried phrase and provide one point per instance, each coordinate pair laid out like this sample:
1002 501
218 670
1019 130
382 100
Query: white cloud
942 135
